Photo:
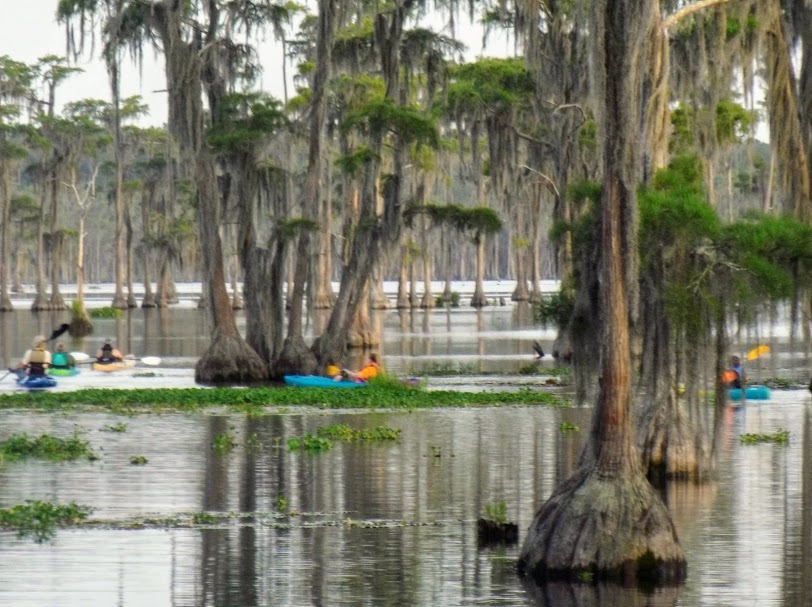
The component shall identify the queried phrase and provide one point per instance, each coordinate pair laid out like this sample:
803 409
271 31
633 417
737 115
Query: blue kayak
38 382
755 392
317 381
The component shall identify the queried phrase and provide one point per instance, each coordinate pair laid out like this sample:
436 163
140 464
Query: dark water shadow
566 594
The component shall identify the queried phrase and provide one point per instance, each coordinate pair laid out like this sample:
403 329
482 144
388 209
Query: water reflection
380 524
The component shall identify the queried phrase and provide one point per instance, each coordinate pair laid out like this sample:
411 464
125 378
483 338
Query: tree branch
549 181
688 10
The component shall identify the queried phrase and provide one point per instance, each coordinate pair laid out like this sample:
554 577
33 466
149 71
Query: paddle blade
757 351
151 360
57 332
80 357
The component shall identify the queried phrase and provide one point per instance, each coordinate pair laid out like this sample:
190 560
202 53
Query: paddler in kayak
734 376
365 373
61 359
108 354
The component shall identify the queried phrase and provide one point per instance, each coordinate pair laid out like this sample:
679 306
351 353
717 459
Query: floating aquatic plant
105 312
224 442
309 442
40 520
46 446
383 395
780 437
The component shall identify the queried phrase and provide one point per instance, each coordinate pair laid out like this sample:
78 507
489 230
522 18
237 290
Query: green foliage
243 120
40 520
490 82
378 395
205 518
682 131
496 512
779 437
119 427
453 301
138 460
49 447
106 312
224 443
309 442
588 135
568 427
281 503
343 432
528 369
354 161
381 115
474 221
555 309
732 121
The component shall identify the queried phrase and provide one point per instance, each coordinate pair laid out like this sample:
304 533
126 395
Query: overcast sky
28 31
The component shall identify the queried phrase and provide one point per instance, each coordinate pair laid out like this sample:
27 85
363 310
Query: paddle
757 351
57 332
54 334
84 359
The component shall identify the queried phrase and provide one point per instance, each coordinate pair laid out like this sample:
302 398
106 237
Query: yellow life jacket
38 356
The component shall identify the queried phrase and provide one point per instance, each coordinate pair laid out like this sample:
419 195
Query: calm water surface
383 524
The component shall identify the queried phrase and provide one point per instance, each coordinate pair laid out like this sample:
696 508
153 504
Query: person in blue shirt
734 376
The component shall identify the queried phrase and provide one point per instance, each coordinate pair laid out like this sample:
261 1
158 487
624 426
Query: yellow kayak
120 365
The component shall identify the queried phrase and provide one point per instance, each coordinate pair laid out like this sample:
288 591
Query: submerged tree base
597 528
674 448
229 359
295 359
80 325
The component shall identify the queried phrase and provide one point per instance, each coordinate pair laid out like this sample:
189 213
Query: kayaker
37 359
62 359
365 373
734 376
108 354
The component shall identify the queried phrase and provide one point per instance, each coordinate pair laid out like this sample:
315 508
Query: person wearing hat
108 354
36 360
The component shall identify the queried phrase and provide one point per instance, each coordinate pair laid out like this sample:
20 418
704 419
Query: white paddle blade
80 357
151 360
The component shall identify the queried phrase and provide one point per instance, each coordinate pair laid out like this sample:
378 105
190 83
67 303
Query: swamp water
381 523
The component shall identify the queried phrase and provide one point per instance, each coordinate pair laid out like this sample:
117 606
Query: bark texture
606 519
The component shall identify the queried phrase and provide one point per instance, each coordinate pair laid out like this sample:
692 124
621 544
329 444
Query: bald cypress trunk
229 358
606 519
296 356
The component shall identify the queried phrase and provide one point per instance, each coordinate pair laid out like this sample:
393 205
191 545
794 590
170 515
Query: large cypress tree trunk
119 301
374 234
229 358
606 519
296 356
478 299
5 236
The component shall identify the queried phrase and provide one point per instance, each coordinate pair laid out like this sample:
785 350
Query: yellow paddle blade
757 351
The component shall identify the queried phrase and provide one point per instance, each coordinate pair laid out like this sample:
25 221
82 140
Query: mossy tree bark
229 358
672 445
373 234
296 357
606 519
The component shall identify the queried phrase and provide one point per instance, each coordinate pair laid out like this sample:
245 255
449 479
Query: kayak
38 382
63 371
755 392
317 381
120 365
